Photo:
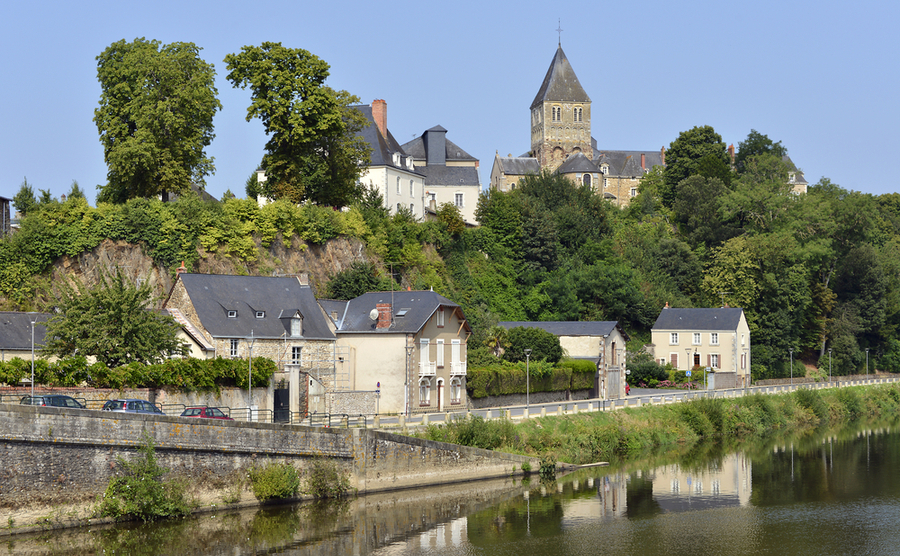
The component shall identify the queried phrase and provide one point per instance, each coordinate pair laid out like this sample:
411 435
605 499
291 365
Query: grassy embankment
625 434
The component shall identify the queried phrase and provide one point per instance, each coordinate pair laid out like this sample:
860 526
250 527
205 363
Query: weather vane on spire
559 30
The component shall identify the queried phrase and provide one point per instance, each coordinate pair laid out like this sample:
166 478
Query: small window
586 180
714 360
458 200
233 351
398 185
455 390
411 190
673 338
296 355
742 340
412 208
260 314
440 317
714 338
696 338
634 191
232 314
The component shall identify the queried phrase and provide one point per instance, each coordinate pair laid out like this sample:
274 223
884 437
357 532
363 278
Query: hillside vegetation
813 272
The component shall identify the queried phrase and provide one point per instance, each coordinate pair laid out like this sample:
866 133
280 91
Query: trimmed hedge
182 374
509 378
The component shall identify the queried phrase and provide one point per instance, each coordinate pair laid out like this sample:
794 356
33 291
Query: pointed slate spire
560 84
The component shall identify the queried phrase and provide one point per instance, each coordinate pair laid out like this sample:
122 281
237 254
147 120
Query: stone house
509 170
718 339
451 174
410 346
602 342
261 316
5 221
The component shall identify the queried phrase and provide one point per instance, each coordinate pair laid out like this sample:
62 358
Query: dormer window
260 314
440 317
232 314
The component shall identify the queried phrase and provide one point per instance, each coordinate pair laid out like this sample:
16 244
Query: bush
325 480
273 481
141 493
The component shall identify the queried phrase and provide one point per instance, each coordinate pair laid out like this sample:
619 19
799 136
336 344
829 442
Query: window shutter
708 360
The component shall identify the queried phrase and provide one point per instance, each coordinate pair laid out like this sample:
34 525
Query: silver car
132 406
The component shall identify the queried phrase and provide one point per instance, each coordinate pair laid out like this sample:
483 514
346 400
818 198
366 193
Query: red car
206 412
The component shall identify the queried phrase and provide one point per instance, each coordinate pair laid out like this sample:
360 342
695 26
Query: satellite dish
373 314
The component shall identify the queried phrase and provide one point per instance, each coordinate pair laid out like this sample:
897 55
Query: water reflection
827 493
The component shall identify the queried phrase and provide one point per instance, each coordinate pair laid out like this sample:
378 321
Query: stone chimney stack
181 269
643 162
662 154
379 114
384 315
304 278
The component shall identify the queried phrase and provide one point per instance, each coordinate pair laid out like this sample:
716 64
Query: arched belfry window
586 180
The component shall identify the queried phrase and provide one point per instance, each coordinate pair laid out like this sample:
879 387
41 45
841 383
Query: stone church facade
561 141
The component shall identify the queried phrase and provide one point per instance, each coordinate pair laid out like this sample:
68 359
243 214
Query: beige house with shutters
699 338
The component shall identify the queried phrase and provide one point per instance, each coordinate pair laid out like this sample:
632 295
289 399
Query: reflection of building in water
451 533
664 489
728 484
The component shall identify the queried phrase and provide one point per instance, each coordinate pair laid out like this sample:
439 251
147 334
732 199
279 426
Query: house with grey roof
508 171
409 345
451 174
392 172
262 316
16 334
717 339
602 342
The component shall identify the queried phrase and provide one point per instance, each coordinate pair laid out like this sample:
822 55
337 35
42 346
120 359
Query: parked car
206 412
52 400
132 406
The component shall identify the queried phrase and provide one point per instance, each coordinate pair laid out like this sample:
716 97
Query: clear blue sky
820 76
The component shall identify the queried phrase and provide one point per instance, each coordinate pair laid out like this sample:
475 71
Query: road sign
688 373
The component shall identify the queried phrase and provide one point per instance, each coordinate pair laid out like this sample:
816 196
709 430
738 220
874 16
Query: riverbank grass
627 434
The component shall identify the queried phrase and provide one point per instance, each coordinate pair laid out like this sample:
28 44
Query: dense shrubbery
509 378
141 493
272 481
182 374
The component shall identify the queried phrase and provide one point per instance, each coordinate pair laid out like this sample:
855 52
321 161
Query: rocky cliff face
320 261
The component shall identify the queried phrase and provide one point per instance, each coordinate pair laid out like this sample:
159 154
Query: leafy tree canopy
684 156
24 200
111 321
155 118
314 151
352 282
544 346
754 145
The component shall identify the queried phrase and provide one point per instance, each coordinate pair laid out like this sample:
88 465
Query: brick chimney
379 114
181 269
662 154
384 315
731 153
643 162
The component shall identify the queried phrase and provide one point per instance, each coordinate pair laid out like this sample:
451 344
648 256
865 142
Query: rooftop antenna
723 294
559 30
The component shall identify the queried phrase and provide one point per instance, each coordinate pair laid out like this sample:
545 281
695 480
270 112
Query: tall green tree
24 200
754 145
155 118
112 321
685 154
314 151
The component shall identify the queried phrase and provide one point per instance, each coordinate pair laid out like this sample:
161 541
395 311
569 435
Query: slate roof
411 310
799 178
383 148
15 330
416 148
213 295
569 328
723 318
450 175
628 163
560 83
519 165
577 163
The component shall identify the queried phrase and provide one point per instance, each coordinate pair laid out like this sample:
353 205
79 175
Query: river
831 492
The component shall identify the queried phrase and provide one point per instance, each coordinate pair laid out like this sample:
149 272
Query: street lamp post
527 382
792 366
867 363
33 319
829 365
250 380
